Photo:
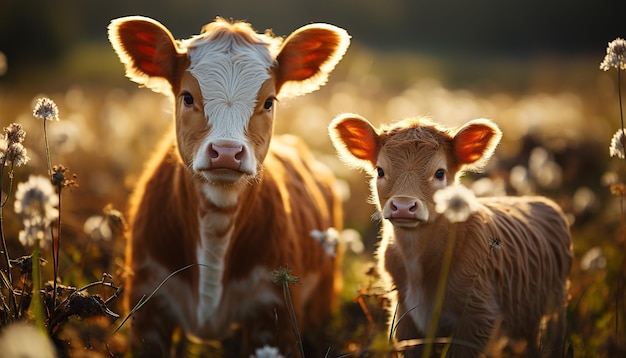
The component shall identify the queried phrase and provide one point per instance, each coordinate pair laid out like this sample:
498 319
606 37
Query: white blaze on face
230 73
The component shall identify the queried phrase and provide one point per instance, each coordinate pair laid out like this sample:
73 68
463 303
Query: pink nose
401 210
223 157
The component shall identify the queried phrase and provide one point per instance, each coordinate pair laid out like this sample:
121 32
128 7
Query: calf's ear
147 49
355 139
475 142
307 57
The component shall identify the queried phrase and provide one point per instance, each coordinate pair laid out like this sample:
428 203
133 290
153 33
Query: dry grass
557 121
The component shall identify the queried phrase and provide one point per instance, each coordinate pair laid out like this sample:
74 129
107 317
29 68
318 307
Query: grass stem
441 290
38 314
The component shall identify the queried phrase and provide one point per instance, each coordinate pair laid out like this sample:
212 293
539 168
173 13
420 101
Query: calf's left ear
307 57
355 140
475 142
147 49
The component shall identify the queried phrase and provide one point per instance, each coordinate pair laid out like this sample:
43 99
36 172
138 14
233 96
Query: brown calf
220 193
510 258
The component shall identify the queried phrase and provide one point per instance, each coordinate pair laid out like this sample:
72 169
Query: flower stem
56 245
5 250
441 290
45 137
292 317
621 112
37 304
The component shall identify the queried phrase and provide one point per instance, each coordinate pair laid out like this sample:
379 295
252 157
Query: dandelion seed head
615 55
353 240
616 149
329 240
46 109
21 339
593 259
36 202
31 235
97 227
16 154
266 352
283 276
456 202
59 177
14 133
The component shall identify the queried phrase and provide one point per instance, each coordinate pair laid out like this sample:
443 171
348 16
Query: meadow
557 115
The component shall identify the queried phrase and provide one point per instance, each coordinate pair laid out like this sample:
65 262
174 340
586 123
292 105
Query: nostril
213 154
401 209
239 155
225 157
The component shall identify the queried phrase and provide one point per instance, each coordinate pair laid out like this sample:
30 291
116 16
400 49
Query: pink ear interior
475 142
146 48
308 55
354 136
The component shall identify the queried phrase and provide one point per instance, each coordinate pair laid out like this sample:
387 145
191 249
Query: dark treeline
39 31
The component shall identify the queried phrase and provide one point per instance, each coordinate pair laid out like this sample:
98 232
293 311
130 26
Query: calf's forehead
230 71
415 147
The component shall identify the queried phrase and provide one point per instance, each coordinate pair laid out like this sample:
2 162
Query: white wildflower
46 109
36 202
615 55
616 149
593 259
455 202
329 240
266 352
97 227
14 133
353 241
23 340
16 154
11 149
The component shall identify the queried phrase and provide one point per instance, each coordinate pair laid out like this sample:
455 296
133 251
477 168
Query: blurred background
532 67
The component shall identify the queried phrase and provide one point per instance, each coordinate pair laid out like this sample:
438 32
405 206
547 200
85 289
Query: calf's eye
187 99
380 171
440 174
268 103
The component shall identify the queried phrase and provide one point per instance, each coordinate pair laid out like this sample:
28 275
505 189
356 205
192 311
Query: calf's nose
225 157
401 210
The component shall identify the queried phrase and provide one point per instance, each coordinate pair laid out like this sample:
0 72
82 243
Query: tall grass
38 203
570 122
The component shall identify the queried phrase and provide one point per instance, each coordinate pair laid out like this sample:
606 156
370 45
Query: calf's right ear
475 142
147 49
355 139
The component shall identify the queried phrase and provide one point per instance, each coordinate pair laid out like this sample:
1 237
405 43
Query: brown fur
268 226
511 257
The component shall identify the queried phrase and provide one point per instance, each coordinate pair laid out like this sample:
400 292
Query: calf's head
412 159
225 82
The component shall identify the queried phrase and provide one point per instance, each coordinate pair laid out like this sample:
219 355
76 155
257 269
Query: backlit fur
511 258
234 223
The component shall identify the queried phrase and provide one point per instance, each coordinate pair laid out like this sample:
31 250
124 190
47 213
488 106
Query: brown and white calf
490 293
220 193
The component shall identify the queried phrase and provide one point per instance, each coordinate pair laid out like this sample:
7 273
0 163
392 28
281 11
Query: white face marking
417 306
210 254
222 197
230 74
